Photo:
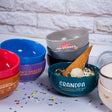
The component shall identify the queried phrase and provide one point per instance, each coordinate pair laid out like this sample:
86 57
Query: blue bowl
73 86
29 51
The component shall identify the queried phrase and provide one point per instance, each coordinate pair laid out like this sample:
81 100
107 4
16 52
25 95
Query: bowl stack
32 57
66 45
9 72
104 62
105 85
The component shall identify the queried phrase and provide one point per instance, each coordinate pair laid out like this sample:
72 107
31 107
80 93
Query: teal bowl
73 86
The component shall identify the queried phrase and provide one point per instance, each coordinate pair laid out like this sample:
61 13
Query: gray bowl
67 39
69 55
51 60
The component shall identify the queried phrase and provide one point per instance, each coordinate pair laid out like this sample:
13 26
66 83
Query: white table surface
45 98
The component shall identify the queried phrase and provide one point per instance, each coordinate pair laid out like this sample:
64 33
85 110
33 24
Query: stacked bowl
32 57
66 45
105 81
9 72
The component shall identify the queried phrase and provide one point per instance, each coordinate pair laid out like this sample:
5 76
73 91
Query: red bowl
9 64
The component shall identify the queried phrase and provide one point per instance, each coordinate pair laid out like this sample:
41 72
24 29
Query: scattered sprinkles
53 97
88 72
107 97
40 94
90 101
17 103
10 108
63 109
17 90
50 104
85 72
36 93
101 104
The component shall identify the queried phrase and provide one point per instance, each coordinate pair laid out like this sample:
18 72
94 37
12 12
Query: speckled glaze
105 95
8 85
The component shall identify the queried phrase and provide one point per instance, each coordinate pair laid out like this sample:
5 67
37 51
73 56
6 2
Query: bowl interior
7 60
69 34
60 65
24 47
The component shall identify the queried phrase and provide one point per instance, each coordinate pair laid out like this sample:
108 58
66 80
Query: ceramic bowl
31 72
72 86
9 63
105 95
8 85
67 39
69 55
51 60
29 51
106 75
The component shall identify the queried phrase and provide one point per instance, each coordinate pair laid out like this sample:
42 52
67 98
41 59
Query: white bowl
105 95
106 75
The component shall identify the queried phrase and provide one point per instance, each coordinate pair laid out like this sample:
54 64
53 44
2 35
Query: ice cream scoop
76 72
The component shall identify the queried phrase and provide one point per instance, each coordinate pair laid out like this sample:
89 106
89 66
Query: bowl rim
75 29
109 90
70 77
27 59
99 57
8 73
17 74
102 73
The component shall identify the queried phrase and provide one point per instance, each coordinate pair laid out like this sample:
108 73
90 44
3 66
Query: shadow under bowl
9 63
8 85
73 86
31 72
67 55
29 51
